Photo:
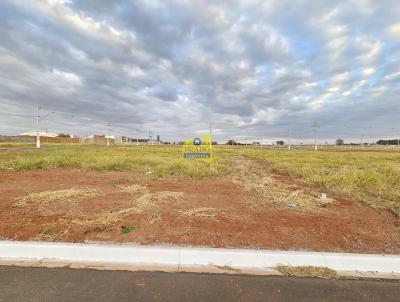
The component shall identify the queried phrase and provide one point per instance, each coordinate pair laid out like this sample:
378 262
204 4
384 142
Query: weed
126 229
48 235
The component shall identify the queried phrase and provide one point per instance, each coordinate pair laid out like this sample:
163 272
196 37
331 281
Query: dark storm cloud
252 68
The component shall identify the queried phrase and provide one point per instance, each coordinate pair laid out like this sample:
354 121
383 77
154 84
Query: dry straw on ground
202 213
150 202
146 202
46 197
253 177
100 222
132 189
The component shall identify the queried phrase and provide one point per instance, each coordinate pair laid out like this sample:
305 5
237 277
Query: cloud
394 30
252 68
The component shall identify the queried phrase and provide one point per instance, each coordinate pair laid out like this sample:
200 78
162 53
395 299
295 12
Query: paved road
63 284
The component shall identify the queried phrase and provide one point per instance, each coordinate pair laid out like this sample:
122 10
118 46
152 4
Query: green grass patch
126 229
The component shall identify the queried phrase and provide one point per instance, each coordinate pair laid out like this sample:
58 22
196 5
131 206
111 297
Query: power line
19 115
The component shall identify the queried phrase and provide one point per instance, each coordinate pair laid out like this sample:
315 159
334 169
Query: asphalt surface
63 284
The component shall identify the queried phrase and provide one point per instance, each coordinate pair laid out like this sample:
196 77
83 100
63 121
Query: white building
41 133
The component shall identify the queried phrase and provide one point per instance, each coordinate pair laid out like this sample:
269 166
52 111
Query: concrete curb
175 259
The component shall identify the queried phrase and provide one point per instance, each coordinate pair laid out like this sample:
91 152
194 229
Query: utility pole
108 136
137 137
315 126
210 132
288 138
211 153
38 128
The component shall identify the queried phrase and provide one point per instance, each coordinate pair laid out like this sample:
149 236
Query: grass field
156 161
12 144
22 144
369 176
247 197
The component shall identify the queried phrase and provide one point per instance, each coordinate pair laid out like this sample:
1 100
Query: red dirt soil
341 226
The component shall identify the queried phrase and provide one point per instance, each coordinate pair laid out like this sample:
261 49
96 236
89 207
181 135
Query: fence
43 139
17 139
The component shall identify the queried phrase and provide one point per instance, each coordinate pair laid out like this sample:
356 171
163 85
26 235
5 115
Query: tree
280 143
231 142
64 135
339 142
388 142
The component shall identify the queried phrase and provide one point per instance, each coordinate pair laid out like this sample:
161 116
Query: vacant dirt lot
252 206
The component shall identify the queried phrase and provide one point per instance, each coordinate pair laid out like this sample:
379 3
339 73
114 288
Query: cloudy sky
255 69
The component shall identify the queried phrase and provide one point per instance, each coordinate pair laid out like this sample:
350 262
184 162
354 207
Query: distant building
97 139
42 134
134 140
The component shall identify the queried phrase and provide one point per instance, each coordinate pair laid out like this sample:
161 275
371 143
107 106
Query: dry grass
151 201
148 200
202 213
253 177
370 176
102 221
307 271
48 235
132 189
46 197
147 203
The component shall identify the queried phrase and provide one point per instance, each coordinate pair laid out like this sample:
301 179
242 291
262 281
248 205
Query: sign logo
197 141
198 147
